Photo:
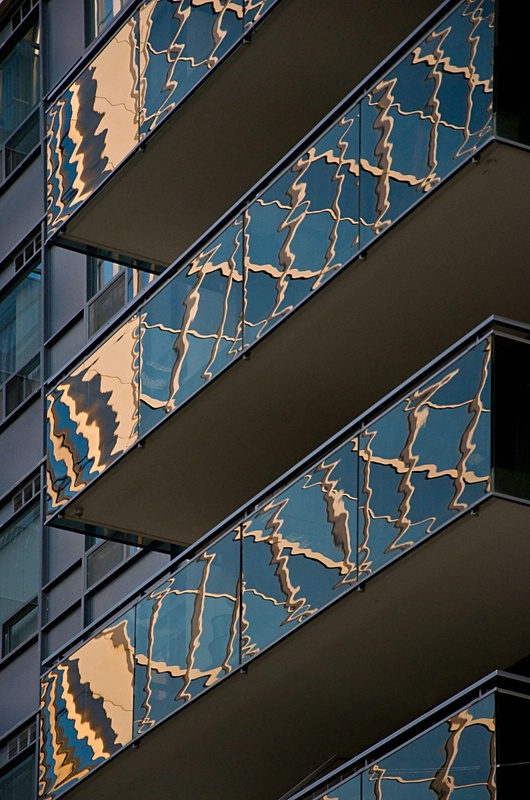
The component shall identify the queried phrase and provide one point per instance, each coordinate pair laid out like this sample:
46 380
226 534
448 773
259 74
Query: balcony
473 751
338 593
193 106
279 382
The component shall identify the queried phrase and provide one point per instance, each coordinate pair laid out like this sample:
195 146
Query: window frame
32 601
30 125
27 379
133 282
27 755
93 28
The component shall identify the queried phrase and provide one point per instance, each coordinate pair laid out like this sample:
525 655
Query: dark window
111 286
105 557
19 579
19 782
101 13
20 339
19 98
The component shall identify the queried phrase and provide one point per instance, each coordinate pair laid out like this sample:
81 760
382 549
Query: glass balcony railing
430 113
158 56
472 752
384 488
456 757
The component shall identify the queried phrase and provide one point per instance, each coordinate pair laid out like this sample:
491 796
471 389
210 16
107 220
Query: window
112 286
19 98
20 339
105 557
102 12
19 579
19 782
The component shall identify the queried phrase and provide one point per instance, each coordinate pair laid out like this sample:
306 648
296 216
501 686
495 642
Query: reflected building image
264 370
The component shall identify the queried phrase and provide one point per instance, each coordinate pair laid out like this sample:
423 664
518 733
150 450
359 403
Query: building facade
264 440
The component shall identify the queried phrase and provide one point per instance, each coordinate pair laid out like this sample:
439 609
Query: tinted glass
426 460
93 415
303 228
19 577
299 550
188 633
191 329
19 82
20 325
90 691
456 759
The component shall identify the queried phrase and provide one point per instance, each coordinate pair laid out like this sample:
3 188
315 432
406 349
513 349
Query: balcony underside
262 100
455 260
358 671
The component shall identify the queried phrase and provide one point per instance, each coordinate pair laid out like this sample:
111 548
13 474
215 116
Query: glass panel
115 285
19 82
22 385
192 328
188 633
102 271
93 125
22 143
19 577
104 12
426 460
93 415
427 116
137 280
299 550
107 303
21 627
19 782
20 325
87 707
180 43
103 559
303 228
456 759
255 9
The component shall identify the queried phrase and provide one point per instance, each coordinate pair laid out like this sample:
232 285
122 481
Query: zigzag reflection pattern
414 134
161 52
192 329
92 126
455 759
303 228
87 707
431 453
414 128
93 414
188 633
179 44
255 9
355 509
